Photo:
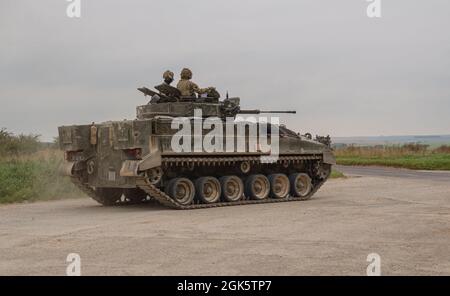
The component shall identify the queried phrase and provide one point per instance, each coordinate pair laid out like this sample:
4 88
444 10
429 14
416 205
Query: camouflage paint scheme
112 154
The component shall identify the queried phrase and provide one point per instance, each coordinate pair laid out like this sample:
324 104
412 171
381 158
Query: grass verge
433 161
34 177
336 174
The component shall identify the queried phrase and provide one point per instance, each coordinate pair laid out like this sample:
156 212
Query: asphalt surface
404 219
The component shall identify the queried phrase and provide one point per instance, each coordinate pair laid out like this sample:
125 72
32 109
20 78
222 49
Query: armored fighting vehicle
133 161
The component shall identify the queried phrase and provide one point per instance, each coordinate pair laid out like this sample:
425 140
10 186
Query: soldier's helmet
168 75
186 74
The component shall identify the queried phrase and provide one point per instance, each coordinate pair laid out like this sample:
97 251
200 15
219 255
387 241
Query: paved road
405 220
394 172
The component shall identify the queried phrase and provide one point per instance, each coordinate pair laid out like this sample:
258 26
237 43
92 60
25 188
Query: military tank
133 161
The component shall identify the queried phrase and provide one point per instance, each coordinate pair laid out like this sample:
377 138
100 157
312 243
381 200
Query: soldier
168 77
167 90
187 87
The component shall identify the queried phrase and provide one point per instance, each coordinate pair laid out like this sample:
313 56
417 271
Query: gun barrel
264 112
290 112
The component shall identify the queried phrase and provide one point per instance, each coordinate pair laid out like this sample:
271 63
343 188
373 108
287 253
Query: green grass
336 174
427 161
34 177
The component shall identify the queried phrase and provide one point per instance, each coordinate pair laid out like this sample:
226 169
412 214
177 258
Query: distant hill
392 140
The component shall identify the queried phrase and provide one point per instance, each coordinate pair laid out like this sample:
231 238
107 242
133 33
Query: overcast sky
344 73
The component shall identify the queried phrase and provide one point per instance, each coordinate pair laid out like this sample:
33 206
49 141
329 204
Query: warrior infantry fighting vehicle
132 161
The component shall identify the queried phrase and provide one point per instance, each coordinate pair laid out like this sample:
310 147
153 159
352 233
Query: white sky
344 73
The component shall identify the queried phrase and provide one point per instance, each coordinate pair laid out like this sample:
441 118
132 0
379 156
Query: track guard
328 157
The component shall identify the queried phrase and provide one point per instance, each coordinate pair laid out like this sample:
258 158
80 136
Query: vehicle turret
177 106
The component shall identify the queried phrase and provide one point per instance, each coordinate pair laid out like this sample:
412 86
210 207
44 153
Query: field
29 170
34 177
410 156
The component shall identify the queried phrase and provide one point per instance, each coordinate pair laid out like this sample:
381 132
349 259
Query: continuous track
154 192
166 200
88 190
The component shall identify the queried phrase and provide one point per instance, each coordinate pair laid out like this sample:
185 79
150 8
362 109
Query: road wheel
232 188
108 196
245 167
154 175
301 184
279 185
257 187
182 190
208 189
135 195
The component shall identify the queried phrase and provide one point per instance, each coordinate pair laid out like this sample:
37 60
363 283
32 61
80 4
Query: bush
444 149
12 145
29 172
34 177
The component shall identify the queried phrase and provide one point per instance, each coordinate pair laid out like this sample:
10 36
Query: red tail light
73 155
135 153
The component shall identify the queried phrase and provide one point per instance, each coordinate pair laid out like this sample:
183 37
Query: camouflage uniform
187 87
